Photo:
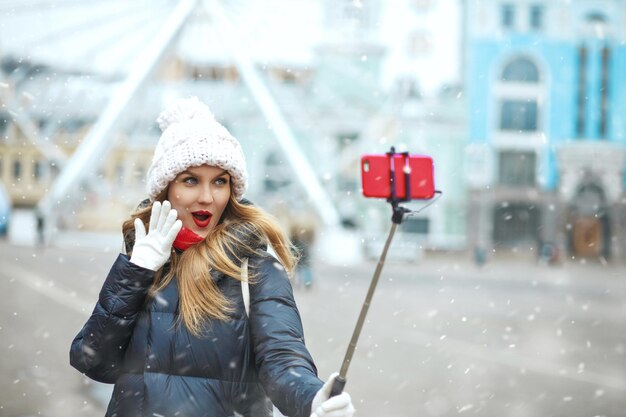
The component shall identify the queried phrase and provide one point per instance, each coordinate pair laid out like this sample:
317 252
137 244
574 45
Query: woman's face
200 195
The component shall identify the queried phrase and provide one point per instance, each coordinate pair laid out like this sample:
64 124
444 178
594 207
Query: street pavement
443 337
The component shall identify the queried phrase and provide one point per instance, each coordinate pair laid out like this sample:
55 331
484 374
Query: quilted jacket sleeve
98 349
285 366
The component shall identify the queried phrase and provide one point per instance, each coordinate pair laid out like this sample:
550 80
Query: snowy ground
442 338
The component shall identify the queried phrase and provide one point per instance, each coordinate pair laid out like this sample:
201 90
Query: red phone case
375 175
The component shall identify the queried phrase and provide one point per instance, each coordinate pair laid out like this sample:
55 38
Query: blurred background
504 297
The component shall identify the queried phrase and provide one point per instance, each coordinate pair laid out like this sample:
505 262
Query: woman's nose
206 194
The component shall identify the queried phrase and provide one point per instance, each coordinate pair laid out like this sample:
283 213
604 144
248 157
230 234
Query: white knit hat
192 137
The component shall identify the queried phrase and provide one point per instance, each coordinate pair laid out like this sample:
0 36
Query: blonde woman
171 328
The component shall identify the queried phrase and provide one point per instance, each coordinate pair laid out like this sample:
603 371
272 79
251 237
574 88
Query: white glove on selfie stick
152 250
339 406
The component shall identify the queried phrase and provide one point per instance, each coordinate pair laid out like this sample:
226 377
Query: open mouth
202 218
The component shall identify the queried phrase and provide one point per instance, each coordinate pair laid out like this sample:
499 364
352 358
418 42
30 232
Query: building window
521 70
17 169
419 226
604 103
536 16
4 124
346 139
37 169
352 17
582 91
596 17
508 16
278 173
516 223
519 115
286 75
419 43
215 73
73 125
119 174
354 11
140 173
596 25
347 183
516 168
53 170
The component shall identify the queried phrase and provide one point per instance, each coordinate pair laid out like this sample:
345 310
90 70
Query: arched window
590 200
521 70
518 95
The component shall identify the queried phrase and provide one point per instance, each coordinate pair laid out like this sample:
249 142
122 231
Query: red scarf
186 238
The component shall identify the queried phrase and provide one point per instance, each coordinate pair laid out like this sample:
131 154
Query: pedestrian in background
40 225
172 328
302 234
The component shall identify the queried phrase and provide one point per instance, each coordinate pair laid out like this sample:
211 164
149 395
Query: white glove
151 251
339 406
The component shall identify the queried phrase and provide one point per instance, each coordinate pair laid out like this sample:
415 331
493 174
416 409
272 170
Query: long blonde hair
237 236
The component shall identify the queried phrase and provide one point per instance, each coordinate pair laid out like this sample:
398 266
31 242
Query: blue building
546 83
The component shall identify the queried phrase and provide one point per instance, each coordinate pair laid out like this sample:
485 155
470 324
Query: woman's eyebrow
222 173
190 172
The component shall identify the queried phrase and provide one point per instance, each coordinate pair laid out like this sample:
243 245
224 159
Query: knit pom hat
192 137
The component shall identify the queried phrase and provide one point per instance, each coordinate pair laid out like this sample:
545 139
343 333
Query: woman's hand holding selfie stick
326 405
152 250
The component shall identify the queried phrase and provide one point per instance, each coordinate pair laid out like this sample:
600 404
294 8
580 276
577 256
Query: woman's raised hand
325 406
152 250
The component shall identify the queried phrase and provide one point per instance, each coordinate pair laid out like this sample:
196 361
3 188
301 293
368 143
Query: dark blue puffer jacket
161 369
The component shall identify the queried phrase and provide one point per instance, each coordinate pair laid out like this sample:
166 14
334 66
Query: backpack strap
245 288
245 292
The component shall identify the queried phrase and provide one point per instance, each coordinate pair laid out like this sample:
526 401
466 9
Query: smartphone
376 175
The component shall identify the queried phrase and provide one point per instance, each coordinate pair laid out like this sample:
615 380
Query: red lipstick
202 218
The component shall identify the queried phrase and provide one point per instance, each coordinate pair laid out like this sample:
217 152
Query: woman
170 327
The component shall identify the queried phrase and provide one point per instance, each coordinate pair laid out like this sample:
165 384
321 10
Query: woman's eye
190 181
221 181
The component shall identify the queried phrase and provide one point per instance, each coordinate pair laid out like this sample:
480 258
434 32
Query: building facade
546 158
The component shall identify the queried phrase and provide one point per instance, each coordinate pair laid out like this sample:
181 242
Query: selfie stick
396 219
